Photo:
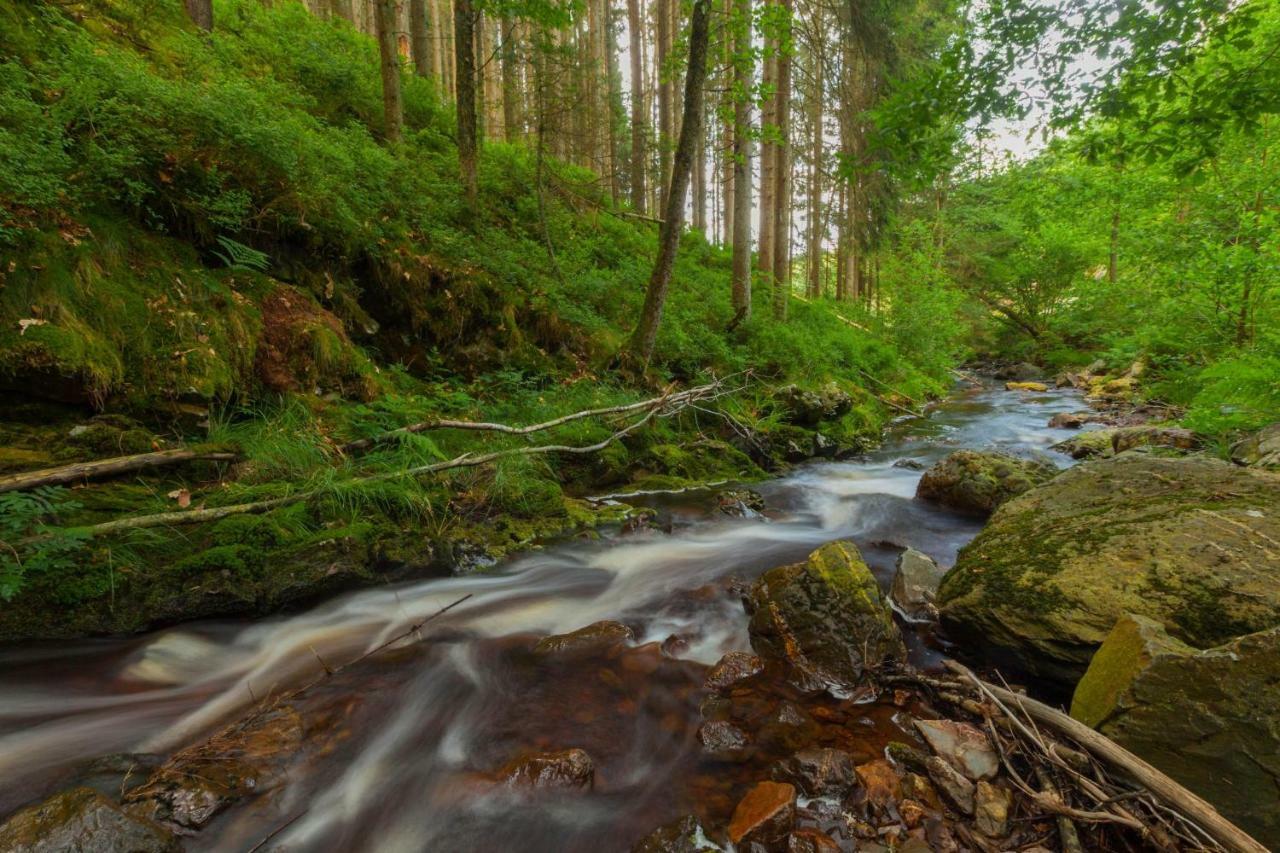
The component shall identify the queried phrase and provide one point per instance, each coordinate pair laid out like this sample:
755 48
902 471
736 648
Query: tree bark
646 333
665 90
392 104
816 96
343 9
100 468
511 118
768 180
782 175
420 35
464 19
700 184
200 12
613 105
638 118
743 72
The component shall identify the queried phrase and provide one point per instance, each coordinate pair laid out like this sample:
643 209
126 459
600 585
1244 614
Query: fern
30 541
242 258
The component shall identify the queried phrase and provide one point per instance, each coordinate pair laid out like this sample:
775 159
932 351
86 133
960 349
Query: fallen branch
689 395
100 468
1178 799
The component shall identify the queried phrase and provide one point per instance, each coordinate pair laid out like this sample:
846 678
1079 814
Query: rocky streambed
724 677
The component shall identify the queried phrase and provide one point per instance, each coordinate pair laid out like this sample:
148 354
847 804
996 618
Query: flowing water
413 734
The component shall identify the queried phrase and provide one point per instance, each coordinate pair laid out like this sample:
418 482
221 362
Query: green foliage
31 542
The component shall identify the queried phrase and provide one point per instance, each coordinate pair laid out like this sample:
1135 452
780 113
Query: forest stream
412 734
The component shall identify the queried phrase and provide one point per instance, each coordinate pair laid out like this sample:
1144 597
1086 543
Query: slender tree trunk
613 108
392 106
200 12
646 333
816 97
665 90
420 37
726 150
464 19
782 173
342 8
510 82
435 36
700 184
638 122
768 180
743 72
1113 258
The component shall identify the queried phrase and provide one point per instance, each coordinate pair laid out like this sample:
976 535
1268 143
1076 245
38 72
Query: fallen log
102 468
1172 794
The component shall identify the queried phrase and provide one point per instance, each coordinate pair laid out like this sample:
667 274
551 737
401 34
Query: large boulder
1189 542
824 617
82 821
1260 450
808 408
1210 719
977 482
1108 442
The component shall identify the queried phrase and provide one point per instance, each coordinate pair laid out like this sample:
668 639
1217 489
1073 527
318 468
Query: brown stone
81 821
595 637
733 669
819 772
724 741
880 781
991 810
764 816
811 841
952 783
962 746
568 768
912 813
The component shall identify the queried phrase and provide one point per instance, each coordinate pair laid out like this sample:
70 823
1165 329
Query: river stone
1070 420
811 841
82 821
807 408
819 772
962 746
978 482
1210 719
733 669
1021 370
592 638
1260 450
723 741
764 816
1189 542
1092 444
683 835
951 782
566 769
915 584
1026 386
1178 438
991 809
824 617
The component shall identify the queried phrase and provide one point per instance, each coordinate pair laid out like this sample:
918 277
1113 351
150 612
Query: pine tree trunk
420 37
665 89
638 117
613 105
768 180
646 333
726 131
782 175
464 19
200 12
743 73
511 119
816 96
700 184
342 8
392 106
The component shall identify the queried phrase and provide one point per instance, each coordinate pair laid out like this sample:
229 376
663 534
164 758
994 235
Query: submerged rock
764 816
566 769
978 482
740 503
683 835
915 584
592 638
82 821
824 618
1189 542
1210 719
723 741
1026 386
1260 450
819 772
733 669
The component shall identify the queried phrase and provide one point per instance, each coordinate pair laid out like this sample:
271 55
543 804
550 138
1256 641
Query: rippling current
413 732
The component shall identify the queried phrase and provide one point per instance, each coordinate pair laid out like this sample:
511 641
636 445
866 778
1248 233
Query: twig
279 829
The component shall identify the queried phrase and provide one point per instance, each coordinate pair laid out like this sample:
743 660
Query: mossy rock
1188 542
976 482
83 819
1210 719
824 618
1260 450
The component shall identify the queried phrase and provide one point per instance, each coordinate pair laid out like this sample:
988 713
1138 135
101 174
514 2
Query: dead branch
101 468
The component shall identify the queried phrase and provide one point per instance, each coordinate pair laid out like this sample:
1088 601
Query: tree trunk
420 37
511 118
343 9
201 13
743 72
700 184
665 90
816 96
1113 258
638 122
646 333
613 96
768 180
464 19
392 105
782 175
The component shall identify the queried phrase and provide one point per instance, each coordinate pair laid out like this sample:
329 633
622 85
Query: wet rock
905 755
684 835
811 841
991 809
1022 370
733 669
246 758
1127 438
1026 386
959 790
962 746
82 821
977 482
1094 444
117 774
1070 420
808 408
1188 542
787 727
1210 719
723 741
566 769
819 772
591 639
880 782
915 585
740 503
909 464
764 816
912 813
824 617
1260 450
